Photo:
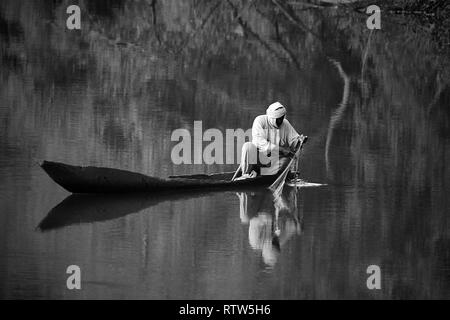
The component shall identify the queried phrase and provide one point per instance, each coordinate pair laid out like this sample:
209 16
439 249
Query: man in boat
274 143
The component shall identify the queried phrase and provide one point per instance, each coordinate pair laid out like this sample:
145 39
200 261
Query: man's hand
304 138
286 151
290 152
300 140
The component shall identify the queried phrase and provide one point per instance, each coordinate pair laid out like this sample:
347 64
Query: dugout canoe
99 180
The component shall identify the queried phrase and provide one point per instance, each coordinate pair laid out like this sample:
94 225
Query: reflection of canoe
87 208
77 179
84 208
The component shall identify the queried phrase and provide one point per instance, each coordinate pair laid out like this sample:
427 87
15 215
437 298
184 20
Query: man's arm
259 137
293 137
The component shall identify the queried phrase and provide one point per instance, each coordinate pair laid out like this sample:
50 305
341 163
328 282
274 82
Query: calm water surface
376 114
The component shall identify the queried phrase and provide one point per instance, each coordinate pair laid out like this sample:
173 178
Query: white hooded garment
266 136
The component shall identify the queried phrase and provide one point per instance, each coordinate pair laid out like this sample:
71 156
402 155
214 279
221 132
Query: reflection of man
266 232
273 144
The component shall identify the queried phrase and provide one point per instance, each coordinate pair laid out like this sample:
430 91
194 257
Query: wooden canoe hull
76 179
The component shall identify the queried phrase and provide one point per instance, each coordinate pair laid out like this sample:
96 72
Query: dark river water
373 103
